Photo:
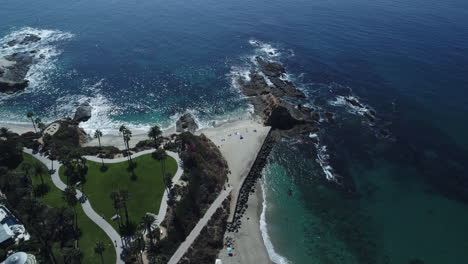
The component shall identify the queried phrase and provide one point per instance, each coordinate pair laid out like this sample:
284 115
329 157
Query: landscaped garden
90 232
144 191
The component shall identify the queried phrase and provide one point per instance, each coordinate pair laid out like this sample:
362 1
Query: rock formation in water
26 40
186 123
13 71
15 67
270 94
83 112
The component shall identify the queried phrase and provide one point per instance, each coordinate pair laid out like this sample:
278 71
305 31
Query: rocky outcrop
26 40
275 73
271 102
83 112
15 67
269 68
13 71
186 123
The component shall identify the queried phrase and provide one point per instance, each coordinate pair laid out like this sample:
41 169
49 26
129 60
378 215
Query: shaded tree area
11 150
50 228
63 142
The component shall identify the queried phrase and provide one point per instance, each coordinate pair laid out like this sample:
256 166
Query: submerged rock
329 117
269 68
186 123
256 86
83 112
26 40
13 71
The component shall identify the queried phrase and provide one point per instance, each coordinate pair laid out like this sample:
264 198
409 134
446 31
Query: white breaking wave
354 109
46 53
238 74
274 256
265 48
323 160
102 109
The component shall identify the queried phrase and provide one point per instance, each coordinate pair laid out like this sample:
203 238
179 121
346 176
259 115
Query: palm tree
26 167
30 116
123 194
154 133
82 171
52 157
146 222
98 135
168 182
39 171
126 135
138 246
4 132
73 255
39 124
122 130
99 249
115 196
69 195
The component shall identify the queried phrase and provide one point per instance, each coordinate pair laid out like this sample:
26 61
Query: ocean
145 62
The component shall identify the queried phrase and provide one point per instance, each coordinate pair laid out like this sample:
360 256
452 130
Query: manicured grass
145 193
90 232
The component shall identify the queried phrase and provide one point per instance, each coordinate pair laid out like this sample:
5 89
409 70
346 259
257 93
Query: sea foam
274 256
46 53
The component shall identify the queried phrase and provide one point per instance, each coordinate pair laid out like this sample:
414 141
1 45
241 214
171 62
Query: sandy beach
239 142
248 244
18 128
240 155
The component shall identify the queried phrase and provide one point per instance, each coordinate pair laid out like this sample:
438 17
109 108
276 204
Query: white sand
239 153
18 128
117 141
248 244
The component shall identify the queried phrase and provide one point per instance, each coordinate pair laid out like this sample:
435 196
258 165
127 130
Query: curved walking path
87 208
180 252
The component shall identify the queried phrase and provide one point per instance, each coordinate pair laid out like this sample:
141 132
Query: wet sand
248 246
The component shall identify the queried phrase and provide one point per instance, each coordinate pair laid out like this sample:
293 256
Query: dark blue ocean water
142 62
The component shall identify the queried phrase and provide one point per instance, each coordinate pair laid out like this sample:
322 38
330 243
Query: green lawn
90 232
145 193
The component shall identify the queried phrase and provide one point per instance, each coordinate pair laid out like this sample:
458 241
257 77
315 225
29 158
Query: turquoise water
398 217
395 200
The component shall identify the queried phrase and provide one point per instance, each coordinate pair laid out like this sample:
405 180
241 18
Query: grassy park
90 232
145 192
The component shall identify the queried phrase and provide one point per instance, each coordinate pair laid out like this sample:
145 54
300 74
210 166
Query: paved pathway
197 229
96 218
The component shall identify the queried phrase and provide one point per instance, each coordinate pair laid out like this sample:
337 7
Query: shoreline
240 142
248 244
